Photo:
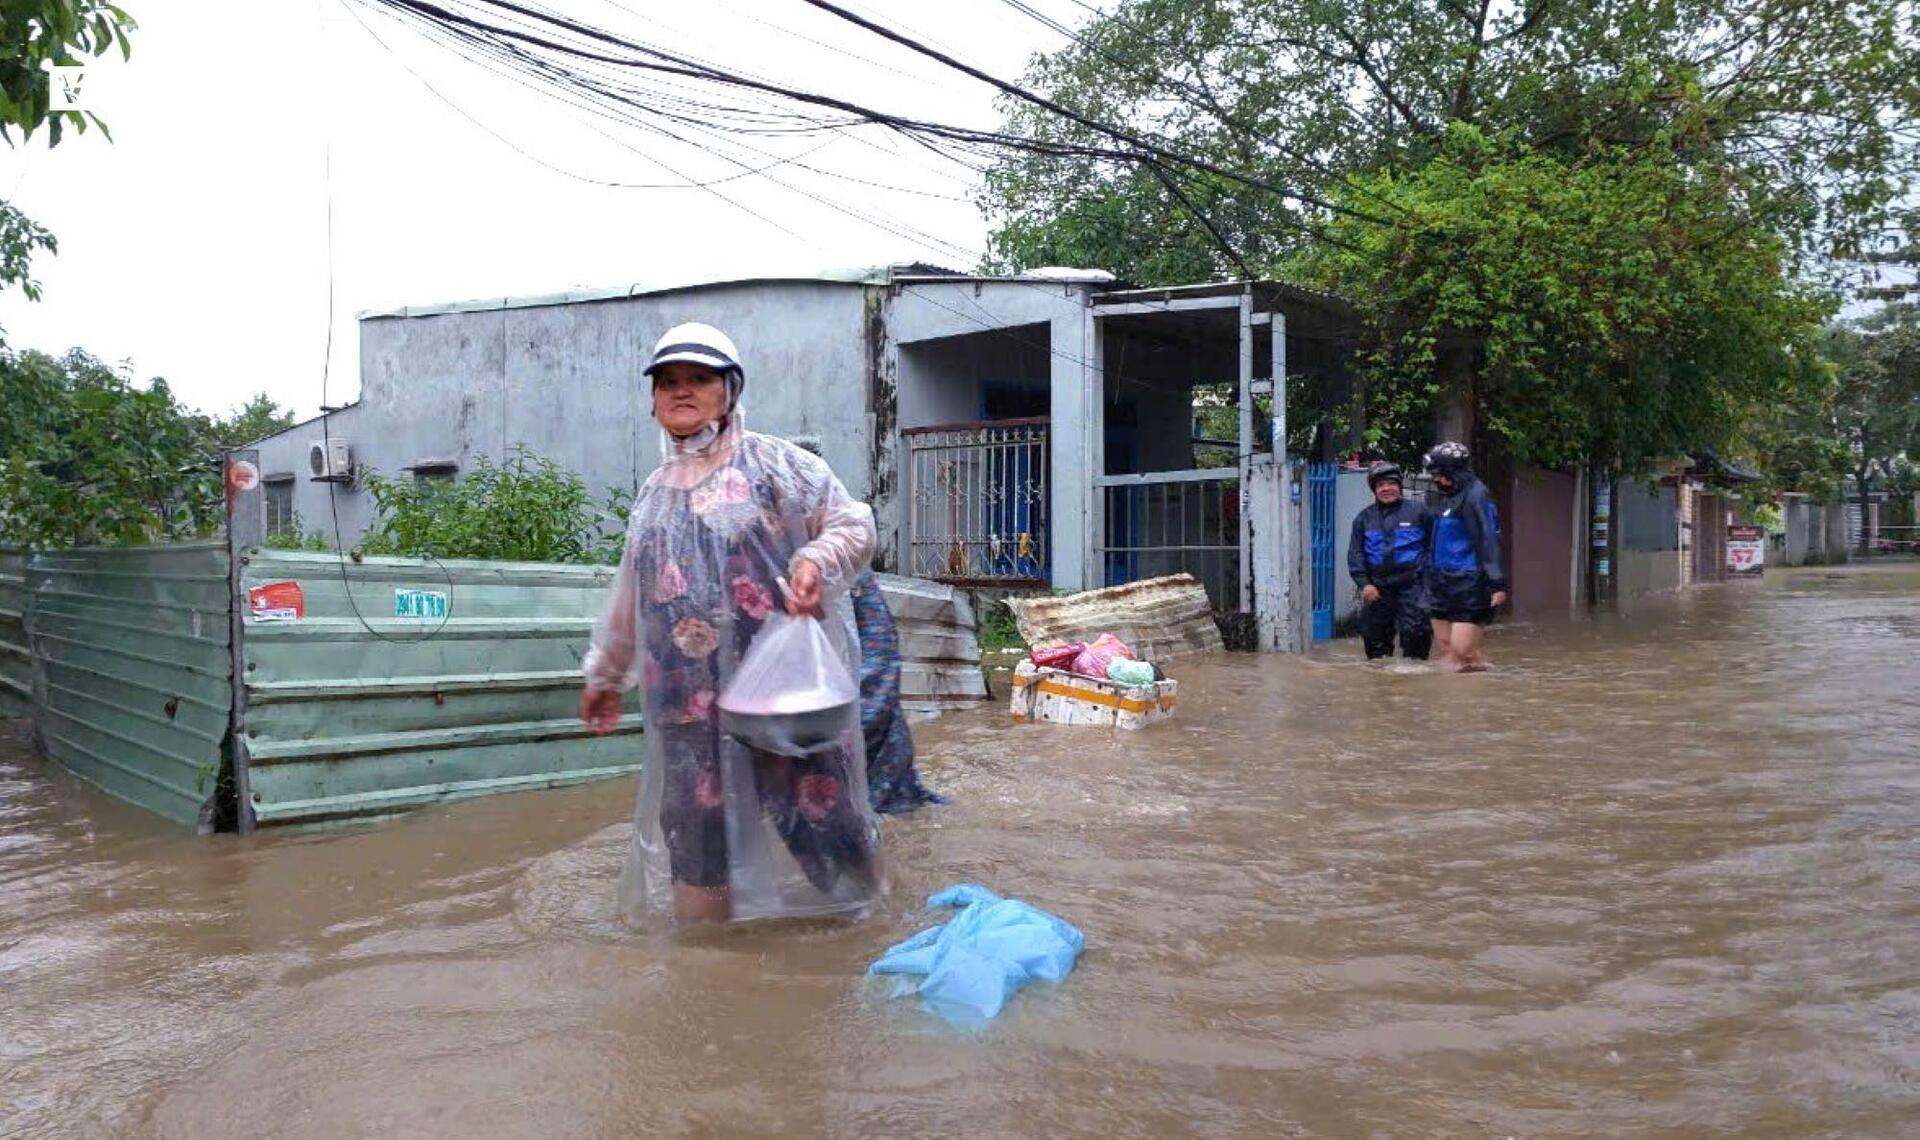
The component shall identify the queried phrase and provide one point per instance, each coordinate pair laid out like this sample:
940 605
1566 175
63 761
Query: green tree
1876 404
1607 307
33 35
527 509
1772 130
1795 445
251 422
297 537
87 457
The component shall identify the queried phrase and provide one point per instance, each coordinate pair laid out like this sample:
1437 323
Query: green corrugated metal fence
353 714
370 685
16 660
131 671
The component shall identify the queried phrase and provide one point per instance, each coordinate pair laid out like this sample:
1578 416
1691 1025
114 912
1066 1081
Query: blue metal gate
1320 484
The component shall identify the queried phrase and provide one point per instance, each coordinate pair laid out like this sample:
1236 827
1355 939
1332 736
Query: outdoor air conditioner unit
331 461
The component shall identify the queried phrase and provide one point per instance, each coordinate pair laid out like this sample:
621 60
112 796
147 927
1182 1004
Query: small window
279 507
433 471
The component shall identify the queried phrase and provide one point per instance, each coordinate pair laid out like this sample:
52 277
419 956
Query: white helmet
695 343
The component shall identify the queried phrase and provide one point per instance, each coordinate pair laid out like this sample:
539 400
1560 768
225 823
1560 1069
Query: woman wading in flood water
733 525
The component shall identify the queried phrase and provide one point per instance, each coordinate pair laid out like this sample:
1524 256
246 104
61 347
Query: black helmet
1447 457
1382 471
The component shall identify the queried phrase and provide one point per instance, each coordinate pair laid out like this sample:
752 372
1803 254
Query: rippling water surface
1653 874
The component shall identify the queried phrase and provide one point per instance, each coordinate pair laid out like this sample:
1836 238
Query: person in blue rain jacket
1387 559
1466 579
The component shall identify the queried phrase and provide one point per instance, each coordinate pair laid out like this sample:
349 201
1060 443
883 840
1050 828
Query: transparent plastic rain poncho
712 533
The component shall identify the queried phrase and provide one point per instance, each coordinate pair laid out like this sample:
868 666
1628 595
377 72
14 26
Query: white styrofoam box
1059 697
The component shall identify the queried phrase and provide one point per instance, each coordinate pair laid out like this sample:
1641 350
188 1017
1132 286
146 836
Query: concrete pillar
1077 437
1271 537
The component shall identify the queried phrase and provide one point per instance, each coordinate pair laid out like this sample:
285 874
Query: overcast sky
195 244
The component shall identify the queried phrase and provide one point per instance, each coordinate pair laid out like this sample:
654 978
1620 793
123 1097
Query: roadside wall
1793 523
1648 551
1543 529
1350 497
1816 533
1839 547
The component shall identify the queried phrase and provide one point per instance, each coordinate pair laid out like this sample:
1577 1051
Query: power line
1118 133
537 160
1194 97
660 62
518 59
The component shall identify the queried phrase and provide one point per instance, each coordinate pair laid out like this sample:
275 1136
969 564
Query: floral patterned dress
705 552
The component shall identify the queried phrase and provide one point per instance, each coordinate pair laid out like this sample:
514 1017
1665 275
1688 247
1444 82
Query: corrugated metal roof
1268 292
867 275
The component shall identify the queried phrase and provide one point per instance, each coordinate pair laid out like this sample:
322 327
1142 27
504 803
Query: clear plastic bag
791 695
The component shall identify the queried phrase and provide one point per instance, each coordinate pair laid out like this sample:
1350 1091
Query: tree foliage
1768 139
1613 306
1862 418
87 457
1876 404
33 35
298 537
251 422
527 509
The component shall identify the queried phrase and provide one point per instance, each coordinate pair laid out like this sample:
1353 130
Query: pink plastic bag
1093 660
1057 656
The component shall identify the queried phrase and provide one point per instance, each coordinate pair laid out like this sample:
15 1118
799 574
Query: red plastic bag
1058 656
1094 659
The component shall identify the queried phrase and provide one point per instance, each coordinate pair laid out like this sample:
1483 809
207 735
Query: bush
998 630
528 509
295 538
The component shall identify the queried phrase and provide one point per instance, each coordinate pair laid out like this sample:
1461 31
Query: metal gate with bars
1171 522
1320 516
977 502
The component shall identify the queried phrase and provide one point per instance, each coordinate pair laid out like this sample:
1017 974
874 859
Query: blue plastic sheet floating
973 964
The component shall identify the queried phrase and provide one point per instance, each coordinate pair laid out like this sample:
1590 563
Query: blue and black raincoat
1389 551
1466 569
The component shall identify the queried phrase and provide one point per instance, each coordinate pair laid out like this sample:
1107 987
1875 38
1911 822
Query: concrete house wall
564 380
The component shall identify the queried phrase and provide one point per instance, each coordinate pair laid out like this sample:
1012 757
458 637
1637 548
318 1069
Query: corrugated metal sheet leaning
343 720
131 668
1158 618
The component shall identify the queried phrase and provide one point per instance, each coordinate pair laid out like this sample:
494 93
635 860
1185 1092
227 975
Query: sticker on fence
1746 549
276 601
431 605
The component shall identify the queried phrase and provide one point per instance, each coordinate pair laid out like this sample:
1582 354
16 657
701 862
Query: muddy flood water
1654 875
